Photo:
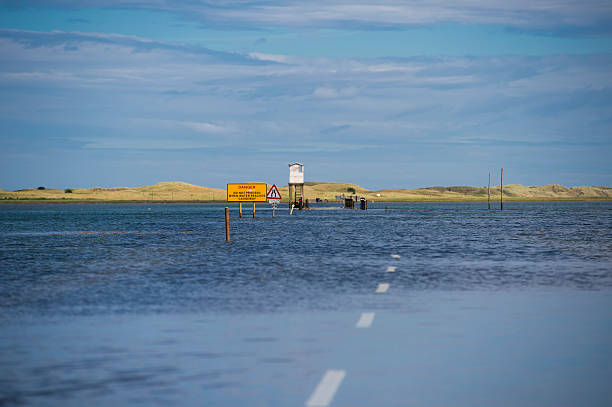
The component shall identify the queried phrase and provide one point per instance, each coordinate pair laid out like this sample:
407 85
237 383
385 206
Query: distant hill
329 190
182 191
161 191
511 192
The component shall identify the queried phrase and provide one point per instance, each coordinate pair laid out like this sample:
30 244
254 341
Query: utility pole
501 191
489 192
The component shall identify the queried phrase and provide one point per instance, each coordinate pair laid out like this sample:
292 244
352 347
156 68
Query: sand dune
182 191
161 191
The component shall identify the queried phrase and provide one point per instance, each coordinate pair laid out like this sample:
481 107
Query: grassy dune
181 191
163 191
513 192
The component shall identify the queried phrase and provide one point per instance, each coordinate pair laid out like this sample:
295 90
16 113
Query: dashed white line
326 389
382 287
366 320
396 256
391 269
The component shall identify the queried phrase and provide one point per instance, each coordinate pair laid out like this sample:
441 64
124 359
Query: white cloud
271 57
124 143
190 101
203 127
332 93
179 125
368 13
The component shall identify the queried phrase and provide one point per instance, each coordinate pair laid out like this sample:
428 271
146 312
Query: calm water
147 304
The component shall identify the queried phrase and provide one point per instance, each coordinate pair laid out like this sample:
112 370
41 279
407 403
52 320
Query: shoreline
43 201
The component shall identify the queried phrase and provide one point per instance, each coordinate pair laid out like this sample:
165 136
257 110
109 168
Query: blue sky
382 94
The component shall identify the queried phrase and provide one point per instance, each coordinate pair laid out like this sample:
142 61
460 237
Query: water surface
147 304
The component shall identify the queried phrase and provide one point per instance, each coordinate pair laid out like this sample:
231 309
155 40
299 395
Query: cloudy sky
383 93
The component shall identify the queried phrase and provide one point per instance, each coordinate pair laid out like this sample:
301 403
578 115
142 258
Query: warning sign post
274 197
251 192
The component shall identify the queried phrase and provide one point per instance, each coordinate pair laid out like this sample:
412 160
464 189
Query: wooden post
227 236
489 193
501 192
253 209
240 210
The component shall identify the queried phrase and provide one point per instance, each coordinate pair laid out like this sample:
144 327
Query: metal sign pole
227 231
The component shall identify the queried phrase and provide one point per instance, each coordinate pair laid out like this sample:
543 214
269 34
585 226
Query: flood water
146 304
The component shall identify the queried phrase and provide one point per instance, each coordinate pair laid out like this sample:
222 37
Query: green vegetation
181 191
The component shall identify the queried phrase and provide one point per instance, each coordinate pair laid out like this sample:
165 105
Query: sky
383 94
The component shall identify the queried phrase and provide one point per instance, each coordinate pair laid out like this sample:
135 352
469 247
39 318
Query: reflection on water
122 304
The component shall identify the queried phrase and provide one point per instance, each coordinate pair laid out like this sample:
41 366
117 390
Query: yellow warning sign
252 192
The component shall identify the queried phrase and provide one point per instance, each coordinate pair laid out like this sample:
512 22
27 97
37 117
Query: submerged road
124 305
524 348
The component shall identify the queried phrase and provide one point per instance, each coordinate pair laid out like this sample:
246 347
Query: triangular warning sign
273 193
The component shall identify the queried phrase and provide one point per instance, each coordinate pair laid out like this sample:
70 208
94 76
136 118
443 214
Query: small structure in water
349 203
296 185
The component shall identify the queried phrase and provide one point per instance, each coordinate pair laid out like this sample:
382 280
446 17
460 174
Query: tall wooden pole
501 191
489 193
227 236
240 210
253 209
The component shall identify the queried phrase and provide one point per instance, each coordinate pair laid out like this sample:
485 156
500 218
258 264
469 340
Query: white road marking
366 320
396 256
382 287
391 269
326 389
